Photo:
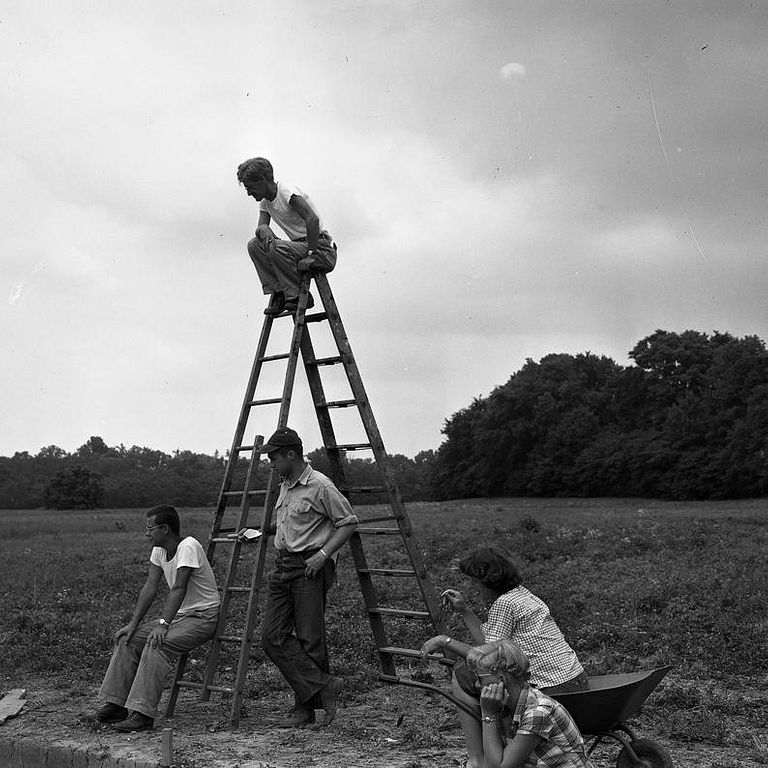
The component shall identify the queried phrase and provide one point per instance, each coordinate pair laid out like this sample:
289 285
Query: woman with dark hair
514 613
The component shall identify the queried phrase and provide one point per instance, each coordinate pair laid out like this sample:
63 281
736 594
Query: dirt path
393 728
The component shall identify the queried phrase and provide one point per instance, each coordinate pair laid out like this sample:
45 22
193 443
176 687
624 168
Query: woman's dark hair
165 514
493 567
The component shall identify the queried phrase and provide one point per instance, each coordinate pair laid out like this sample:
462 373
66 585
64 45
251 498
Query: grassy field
632 583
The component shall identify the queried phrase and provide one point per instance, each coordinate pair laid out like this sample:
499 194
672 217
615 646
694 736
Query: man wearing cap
312 521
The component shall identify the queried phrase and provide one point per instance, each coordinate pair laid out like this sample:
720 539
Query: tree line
687 420
97 475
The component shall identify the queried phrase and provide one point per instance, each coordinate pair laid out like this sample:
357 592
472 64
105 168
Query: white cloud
512 70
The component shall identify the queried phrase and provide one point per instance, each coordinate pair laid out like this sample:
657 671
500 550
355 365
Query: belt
322 236
305 554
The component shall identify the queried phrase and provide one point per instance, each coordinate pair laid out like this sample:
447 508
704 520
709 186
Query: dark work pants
293 636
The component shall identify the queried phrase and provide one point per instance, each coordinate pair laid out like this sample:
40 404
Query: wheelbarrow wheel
649 753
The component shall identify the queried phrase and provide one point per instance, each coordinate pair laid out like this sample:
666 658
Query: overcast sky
504 180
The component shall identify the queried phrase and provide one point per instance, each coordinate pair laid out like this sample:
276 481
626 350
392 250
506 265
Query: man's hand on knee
266 237
305 264
156 637
125 632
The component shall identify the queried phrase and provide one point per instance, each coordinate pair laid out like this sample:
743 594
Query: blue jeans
293 635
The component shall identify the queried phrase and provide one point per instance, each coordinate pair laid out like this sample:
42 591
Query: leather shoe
297 717
110 713
276 304
329 697
136 722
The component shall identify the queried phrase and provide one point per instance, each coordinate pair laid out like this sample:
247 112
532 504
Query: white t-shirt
201 589
284 216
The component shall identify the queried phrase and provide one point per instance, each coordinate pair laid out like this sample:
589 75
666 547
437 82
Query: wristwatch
310 253
164 623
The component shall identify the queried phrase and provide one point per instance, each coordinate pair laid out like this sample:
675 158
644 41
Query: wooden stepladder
244 460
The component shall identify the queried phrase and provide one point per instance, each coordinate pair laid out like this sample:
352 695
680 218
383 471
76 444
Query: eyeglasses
149 528
494 677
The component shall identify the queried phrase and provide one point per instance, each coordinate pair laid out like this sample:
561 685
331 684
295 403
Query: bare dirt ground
391 728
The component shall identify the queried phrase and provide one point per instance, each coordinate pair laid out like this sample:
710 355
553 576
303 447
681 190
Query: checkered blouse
520 616
561 745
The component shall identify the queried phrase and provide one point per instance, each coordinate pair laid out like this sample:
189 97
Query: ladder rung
223 540
387 572
268 401
189 684
229 639
243 448
257 492
200 686
270 358
239 589
391 650
351 447
337 404
370 489
317 317
379 531
381 519
400 612
335 360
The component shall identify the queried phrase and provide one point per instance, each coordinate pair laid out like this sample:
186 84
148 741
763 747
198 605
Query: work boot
276 304
110 713
329 697
297 717
135 722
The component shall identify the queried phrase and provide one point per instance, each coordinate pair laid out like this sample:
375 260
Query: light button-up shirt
308 511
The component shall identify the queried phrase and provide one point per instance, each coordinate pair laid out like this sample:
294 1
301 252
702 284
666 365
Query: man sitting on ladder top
281 263
312 521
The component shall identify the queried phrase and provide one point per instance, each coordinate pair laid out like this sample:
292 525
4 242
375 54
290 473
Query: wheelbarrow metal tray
610 699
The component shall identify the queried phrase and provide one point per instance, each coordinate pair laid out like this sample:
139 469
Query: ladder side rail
231 577
339 478
377 444
323 417
299 328
237 440
257 578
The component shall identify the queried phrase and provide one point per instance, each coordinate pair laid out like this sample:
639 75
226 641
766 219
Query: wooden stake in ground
167 759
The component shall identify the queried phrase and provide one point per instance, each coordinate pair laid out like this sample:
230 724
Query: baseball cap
284 437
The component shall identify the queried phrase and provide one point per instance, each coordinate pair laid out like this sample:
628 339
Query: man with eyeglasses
146 650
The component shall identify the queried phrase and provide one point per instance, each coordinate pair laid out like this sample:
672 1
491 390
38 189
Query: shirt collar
522 701
303 478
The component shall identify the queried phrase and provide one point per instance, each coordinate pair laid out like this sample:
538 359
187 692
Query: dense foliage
97 475
688 421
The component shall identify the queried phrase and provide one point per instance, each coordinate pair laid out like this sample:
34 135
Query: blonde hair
502 656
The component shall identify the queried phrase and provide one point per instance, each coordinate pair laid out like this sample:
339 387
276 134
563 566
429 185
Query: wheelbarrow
600 712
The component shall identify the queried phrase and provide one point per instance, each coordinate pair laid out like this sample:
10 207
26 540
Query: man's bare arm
143 602
171 606
299 204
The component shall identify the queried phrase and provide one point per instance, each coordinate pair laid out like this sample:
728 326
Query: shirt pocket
300 508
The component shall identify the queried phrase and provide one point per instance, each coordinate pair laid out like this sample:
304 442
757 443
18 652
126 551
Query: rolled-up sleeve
337 507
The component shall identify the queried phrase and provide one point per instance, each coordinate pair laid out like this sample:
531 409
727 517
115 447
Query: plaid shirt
561 745
520 616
